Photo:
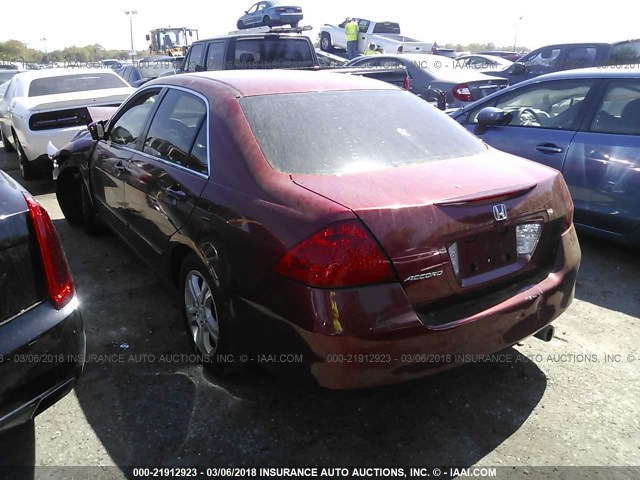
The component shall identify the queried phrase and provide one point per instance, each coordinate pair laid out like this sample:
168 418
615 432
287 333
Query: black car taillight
56 269
462 92
341 255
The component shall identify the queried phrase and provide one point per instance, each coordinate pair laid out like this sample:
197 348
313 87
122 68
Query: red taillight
462 92
341 255
281 10
56 269
407 83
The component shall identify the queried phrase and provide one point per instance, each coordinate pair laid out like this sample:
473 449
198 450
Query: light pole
515 37
130 14
46 54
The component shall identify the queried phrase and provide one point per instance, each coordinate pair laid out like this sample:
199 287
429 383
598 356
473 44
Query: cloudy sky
74 22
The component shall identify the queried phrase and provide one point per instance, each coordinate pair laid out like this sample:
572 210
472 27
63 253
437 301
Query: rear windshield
625 53
74 83
353 131
273 52
387 27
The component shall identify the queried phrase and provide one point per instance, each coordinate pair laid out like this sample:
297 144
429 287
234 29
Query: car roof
250 35
610 71
60 72
247 83
613 71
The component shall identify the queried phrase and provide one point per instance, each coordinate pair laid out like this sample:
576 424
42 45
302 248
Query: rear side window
74 83
273 52
174 128
353 131
619 111
215 56
625 53
579 57
387 27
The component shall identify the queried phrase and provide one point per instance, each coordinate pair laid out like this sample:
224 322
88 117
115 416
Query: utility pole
130 14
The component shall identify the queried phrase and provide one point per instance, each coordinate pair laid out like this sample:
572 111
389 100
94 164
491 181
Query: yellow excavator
173 42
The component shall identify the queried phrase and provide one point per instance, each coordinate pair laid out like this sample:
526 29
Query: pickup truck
384 34
266 48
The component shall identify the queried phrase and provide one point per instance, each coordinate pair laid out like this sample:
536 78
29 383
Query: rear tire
207 316
266 21
69 195
294 24
325 42
27 169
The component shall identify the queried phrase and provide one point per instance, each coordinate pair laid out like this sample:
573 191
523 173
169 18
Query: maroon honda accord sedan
328 218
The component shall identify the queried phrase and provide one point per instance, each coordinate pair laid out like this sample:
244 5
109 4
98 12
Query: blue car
584 123
270 14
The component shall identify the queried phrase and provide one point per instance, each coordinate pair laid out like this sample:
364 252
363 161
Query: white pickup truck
384 34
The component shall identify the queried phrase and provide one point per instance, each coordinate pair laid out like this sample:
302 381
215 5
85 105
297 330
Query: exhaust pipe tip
546 334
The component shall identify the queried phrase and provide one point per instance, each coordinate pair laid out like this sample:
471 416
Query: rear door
545 120
167 177
110 164
602 167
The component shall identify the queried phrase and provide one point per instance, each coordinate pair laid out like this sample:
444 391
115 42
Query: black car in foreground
42 340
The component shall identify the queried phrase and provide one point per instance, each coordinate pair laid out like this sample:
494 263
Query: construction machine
170 41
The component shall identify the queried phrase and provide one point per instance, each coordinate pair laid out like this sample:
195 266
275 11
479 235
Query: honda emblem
500 212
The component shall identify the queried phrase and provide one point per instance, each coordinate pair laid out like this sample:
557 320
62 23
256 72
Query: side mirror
519 68
96 129
491 116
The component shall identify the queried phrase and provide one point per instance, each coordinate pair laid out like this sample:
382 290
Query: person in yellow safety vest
373 49
351 32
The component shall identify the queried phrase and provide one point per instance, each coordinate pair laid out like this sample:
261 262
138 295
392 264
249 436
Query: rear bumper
414 350
34 143
42 355
285 18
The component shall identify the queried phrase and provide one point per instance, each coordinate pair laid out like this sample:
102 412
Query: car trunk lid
418 212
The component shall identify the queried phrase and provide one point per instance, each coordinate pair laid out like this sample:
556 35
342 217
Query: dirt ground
571 402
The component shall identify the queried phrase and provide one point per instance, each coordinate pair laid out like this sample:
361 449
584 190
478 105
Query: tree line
17 51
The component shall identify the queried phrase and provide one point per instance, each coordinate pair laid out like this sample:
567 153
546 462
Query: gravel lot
570 402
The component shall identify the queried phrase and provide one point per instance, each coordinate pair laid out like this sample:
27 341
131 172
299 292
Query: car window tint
273 53
195 62
215 56
199 158
129 126
619 111
389 28
626 52
371 130
542 62
579 57
175 126
547 105
74 83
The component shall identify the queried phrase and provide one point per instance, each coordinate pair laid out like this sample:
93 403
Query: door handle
120 168
549 148
176 193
